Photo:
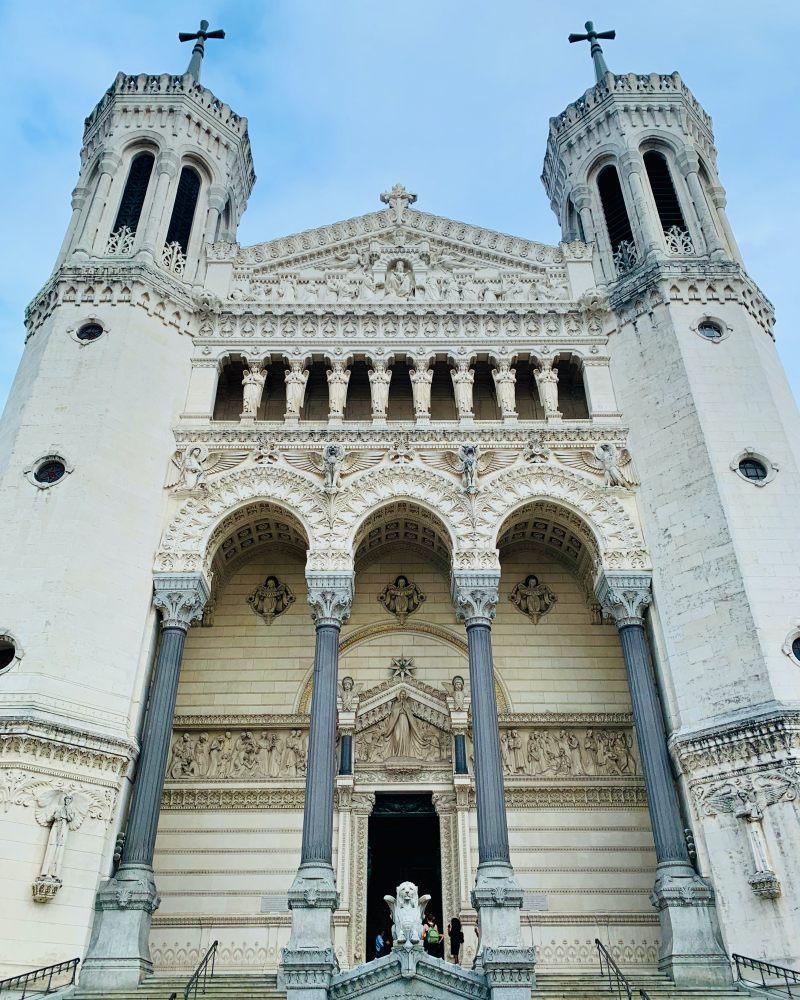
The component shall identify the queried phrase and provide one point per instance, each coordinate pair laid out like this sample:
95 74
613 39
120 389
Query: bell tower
85 440
631 167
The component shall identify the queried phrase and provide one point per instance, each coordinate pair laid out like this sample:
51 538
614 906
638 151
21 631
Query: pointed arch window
180 225
668 207
620 234
130 208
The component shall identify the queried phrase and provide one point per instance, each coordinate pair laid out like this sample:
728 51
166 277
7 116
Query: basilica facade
399 550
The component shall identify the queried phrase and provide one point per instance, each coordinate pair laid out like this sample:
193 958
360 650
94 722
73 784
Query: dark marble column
691 952
496 896
346 760
308 961
118 954
460 755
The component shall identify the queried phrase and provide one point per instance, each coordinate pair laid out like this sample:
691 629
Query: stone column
217 197
309 960
118 956
78 205
497 897
719 201
463 377
421 375
166 169
504 383
691 952
338 376
295 377
689 165
546 379
109 165
380 377
631 167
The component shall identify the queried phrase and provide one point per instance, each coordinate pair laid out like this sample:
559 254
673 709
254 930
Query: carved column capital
109 163
475 596
330 596
581 196
180 597
688 162
167 163
624 597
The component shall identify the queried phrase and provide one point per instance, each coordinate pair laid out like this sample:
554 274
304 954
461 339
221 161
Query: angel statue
271 599
60 811
456 693
614 464
334 463
532 598
469 463
190 468
401 598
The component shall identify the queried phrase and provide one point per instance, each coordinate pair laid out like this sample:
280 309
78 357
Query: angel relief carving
401 598
532 598
469 463
612 463
189 469
61 811
334 463
271 599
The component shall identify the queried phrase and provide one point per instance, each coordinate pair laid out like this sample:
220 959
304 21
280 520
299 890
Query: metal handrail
26 979
617 980
786 979
201 972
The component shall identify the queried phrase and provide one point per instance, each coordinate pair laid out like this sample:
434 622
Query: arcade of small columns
482 390
684 901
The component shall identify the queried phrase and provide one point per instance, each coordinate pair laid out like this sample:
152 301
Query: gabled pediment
401 256
402 722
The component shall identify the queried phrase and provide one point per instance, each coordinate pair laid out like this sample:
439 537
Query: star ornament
402 667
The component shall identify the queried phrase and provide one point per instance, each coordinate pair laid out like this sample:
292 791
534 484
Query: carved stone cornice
180 597
182 799
475 596
99 283
624 597
330 596
50 746
247 720
660 281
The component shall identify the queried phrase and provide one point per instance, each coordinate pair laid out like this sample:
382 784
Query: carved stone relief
271 598
401 598
532 598
245 755
567 753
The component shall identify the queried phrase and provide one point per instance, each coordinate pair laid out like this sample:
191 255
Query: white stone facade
398 397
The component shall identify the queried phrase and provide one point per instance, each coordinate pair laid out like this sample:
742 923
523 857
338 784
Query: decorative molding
624 597
180 597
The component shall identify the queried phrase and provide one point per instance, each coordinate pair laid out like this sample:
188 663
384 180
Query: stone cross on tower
199 49
398 199
600 68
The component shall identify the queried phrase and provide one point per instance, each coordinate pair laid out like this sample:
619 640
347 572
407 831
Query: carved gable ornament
401 598
532 598
271 599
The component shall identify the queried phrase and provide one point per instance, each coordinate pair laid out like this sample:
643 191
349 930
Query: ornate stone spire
600 68
199 37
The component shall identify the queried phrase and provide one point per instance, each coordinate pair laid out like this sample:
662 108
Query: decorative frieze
574 752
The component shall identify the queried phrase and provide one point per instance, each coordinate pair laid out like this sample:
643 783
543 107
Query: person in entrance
456 936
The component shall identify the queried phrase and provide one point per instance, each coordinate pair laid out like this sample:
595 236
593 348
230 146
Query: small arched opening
572 400
484 394
663 190
443 402
401 394
135 192
615 211
183 209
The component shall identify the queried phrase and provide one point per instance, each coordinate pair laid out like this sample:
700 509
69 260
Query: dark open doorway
403 846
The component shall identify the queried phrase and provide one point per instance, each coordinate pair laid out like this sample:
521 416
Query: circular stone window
754 468
751 468
796 648
708 329
89 332
8 652
47 471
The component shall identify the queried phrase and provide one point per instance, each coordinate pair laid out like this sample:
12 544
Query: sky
449 97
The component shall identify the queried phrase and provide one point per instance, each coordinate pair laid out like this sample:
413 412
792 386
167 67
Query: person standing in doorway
433 939
456 936
380 944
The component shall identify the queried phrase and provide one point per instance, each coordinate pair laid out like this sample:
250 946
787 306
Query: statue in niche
402 731
252 390
57 811
401 598
532 598
271 599
399 282
457 693
348 695
295 377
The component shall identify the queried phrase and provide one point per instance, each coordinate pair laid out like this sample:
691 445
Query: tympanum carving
401 598
532 598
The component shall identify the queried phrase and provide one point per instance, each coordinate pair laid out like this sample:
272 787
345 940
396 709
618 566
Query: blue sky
345 97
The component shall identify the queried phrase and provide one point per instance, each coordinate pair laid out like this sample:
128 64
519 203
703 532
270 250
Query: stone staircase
549 986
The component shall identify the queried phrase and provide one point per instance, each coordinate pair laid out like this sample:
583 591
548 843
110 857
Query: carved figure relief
252 390
546 379
61 811
463 377
189 469
402 732
271 599
612 463
296 378
567 753
456 693
399 282
532 598
401 598
348 695
246 755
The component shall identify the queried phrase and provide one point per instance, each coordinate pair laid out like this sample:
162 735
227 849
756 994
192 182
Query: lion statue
407 909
